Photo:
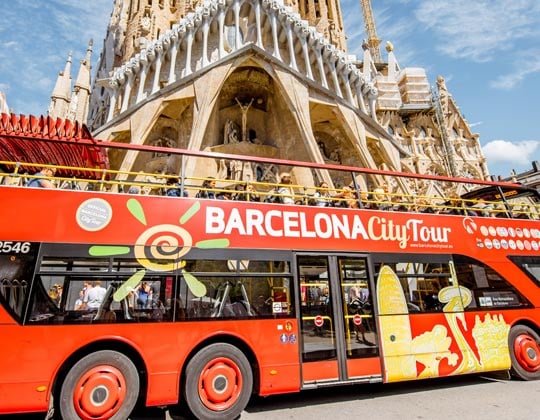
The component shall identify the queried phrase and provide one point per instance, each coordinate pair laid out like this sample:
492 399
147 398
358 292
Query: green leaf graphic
213 243
190 212
196 287
136 210
108 250
129 285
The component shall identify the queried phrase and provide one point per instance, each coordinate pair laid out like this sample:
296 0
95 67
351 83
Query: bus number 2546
7 247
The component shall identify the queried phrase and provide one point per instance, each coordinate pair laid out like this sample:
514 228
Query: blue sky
487 50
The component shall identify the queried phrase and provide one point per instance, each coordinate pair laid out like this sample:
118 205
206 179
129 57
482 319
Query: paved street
467 397
470 397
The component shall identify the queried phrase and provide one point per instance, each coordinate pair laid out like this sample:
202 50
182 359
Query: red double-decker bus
109 299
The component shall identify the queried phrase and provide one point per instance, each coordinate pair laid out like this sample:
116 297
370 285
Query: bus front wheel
525 352
218 382
101 385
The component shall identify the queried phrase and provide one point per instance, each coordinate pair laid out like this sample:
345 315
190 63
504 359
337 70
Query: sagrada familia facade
267 78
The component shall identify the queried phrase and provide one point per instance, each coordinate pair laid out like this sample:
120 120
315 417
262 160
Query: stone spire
61 95
78 108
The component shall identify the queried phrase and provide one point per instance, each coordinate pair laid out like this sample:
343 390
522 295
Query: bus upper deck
260 181
205 291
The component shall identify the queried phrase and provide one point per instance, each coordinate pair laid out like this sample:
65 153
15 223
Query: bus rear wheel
218 383
525 353
102 385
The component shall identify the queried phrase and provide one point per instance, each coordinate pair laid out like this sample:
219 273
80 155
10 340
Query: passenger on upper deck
422 206
366 200
285 190
482 209
173 188
346 198
41 180
400 203
207 189
246 192
457 206
381 197
322 197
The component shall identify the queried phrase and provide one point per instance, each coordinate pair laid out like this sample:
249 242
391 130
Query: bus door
339 340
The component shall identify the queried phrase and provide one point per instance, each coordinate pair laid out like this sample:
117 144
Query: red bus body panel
32 355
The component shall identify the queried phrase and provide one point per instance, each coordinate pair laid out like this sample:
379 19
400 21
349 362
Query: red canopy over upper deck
46 140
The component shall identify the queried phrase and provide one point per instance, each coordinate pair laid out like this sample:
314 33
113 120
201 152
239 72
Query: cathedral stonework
270 78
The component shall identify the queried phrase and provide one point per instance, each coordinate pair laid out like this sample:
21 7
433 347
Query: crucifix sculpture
244 109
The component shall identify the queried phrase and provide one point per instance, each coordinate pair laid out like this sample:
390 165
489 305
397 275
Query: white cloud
480 29
475 124
522 68
504 151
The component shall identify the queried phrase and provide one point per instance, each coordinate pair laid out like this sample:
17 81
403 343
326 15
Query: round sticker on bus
319 321
94 214
357 319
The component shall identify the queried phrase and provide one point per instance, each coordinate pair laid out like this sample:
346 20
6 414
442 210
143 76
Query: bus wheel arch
218 380
524 344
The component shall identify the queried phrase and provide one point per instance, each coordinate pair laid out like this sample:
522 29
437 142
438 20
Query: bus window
318 323
420 281
72 287
238 288
360 331
16 269
489 289
530 265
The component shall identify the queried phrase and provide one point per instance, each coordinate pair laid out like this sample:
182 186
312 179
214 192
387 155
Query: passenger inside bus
95 296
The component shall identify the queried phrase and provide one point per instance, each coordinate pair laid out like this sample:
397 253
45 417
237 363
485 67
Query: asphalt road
471 397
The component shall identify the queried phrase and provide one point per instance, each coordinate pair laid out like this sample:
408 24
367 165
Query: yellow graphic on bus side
401 351
160 248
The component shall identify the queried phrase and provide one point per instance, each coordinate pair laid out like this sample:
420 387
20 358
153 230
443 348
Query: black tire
524 345
218 382
101 385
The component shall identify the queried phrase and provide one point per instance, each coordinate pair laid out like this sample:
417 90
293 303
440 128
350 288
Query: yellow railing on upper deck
160 184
